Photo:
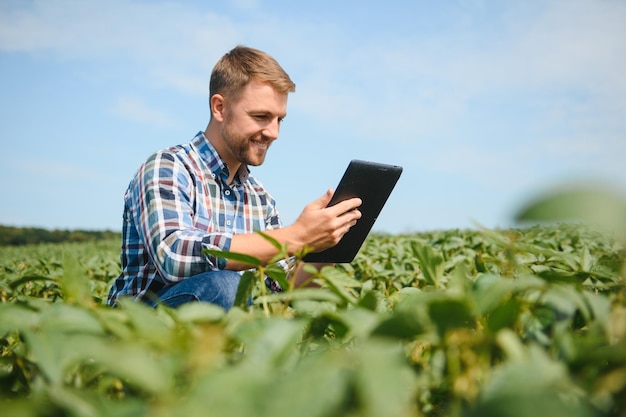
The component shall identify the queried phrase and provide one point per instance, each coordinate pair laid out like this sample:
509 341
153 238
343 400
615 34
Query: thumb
323 201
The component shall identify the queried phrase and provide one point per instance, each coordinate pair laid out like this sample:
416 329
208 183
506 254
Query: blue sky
484 103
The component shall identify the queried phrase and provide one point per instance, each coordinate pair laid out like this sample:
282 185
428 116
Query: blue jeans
216 287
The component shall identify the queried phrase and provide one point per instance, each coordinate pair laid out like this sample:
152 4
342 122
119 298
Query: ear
218 106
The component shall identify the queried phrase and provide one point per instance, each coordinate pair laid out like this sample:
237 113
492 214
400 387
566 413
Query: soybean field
513 322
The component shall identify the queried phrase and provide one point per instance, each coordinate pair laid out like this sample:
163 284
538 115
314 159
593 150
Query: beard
249 150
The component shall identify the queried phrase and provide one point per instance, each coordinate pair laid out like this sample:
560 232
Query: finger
347 227
324 199
346 205
350 217
349 220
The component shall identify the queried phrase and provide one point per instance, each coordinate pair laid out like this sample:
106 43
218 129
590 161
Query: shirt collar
216 165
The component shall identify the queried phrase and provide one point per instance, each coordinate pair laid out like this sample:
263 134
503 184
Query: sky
485 103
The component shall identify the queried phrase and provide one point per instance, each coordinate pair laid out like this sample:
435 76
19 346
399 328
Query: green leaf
450 314
328 376
73 401
587 261
48 351
70 319
131 361
29 278
531 384
14 317
368 300
596 205
490 291
149 324
400 325
384 382
271 342
75 282
337 282
273 241
504 316
600 307
278 274
317 294
358 322
238 257
565 301
244 290
198 312
431 262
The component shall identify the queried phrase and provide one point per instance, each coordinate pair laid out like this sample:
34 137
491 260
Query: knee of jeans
229 282
177 300
217 287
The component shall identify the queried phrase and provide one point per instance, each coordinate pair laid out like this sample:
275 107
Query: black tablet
372 182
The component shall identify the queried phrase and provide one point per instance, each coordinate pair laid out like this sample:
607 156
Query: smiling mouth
261 143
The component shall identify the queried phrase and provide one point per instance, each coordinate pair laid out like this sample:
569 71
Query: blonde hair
236 68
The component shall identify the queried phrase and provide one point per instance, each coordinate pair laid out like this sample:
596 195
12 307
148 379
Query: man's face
252 122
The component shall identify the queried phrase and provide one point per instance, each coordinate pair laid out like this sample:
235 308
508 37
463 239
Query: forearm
318 227
180 255
257 246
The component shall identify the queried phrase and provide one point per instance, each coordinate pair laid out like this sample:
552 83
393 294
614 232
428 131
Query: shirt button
213 175
228 222
227 192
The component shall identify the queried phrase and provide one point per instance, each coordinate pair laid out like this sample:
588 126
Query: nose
272 129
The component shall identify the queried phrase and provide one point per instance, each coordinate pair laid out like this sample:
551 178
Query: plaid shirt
178 204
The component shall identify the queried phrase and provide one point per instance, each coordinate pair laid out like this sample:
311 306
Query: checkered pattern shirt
178 204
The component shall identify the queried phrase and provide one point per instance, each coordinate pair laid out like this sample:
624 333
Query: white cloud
196 83
155 39
577 44
137 110
247 5
87 29
34 168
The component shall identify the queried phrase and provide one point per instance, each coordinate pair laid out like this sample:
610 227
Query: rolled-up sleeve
161 201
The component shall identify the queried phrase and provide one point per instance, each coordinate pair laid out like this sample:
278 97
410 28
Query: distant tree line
15 236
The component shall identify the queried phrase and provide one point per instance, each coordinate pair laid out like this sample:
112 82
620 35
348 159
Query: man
201 195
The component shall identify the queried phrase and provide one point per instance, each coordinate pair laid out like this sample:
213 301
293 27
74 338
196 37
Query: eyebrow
267 113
